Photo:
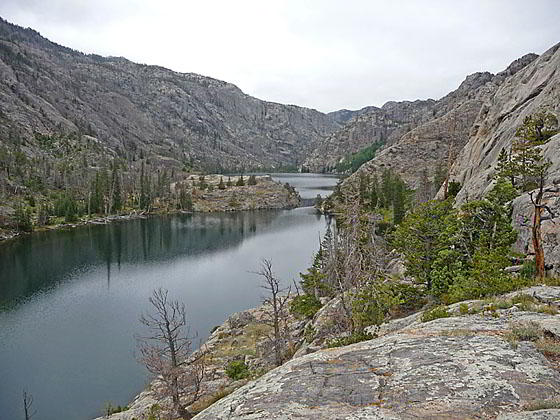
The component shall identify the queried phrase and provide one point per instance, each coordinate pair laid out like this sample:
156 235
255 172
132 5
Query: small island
211 193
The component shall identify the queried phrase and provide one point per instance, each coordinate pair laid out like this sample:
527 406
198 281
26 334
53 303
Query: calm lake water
70 300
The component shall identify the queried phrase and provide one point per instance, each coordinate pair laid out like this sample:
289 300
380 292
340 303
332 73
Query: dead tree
166 353
355 258
276 299
28 409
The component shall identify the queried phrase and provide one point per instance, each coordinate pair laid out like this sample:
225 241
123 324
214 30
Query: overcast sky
322 54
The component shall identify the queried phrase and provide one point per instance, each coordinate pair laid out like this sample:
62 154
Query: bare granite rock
461 367
553 414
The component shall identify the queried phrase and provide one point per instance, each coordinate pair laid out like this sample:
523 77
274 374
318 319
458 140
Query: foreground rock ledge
450 368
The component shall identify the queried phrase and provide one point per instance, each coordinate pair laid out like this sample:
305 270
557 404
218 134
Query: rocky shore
212 193
266 194
485 359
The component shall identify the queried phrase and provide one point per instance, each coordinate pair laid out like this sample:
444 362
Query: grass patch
549 347
437 312
542 405
523 331
527 331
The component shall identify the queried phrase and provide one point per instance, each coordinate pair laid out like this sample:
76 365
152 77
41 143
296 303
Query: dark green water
70 300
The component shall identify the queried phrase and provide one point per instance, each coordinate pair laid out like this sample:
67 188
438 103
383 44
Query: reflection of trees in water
43 260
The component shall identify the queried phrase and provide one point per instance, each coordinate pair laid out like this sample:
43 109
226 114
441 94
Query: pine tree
145 189
240 181
221 184
252 180
22 217
117 193
399 203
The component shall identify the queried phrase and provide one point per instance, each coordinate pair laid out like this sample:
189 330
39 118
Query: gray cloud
319 53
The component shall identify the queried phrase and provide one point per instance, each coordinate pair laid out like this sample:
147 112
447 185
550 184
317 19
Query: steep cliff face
441 138
535 87
174 118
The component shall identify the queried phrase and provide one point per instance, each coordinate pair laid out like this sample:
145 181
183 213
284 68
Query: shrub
529 270
23 219
464 308
305 306
527 331
237 369
309 333
113 409
437 312
351 339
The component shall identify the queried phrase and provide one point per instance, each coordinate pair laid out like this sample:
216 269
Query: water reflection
72 298
42 260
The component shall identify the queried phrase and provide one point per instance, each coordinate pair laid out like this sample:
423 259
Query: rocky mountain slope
365 127
135 110
437 138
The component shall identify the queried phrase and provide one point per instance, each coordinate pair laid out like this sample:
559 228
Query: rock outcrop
533 88
369 126
459 367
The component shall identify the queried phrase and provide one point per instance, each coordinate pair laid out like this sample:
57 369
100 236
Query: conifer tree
117 193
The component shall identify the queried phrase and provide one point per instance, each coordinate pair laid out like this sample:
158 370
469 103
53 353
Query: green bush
351 339
464 308
113 409
237 369
305 306
22 218
529 270
437 312
476 288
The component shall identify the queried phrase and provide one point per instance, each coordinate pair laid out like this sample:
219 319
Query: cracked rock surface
461 367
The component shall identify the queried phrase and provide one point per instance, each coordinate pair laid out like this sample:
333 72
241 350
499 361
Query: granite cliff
443 133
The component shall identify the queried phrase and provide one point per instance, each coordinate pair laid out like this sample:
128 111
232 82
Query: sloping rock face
375 125
533 88
440 140
419 130
461 367
133 109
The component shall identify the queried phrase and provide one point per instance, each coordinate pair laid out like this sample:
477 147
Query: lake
70 299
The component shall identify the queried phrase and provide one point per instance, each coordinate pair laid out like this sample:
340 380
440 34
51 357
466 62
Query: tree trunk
537 243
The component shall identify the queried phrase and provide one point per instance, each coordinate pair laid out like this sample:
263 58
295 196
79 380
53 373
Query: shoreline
205 204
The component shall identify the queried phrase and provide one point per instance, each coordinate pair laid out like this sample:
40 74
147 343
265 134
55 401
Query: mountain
408 127
446 128
132 110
